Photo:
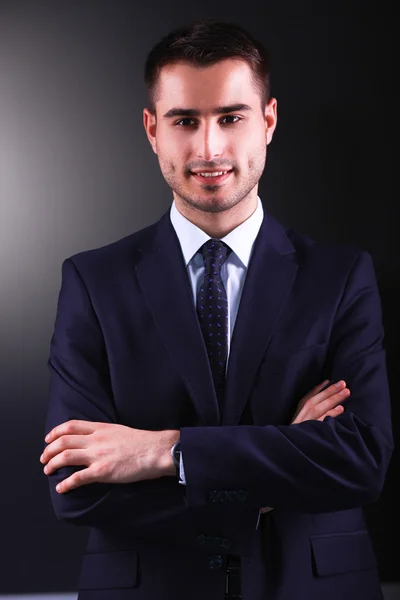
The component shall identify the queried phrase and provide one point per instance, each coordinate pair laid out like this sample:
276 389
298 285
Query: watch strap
176 456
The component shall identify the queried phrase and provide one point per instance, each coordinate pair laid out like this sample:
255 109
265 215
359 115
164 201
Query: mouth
211 178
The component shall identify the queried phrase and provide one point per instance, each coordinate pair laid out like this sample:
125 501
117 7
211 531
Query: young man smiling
221 124
198 368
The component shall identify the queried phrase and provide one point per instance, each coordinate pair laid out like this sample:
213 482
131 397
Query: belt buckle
233 579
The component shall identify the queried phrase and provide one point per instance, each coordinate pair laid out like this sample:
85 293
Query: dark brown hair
206 42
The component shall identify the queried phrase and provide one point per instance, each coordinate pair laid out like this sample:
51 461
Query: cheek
171 150
249 146
171 160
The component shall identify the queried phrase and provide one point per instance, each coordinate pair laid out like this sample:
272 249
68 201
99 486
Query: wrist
166 461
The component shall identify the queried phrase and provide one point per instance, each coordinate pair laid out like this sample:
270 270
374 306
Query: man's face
209 120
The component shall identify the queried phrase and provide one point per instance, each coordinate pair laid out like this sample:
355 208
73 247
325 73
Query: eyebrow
193 112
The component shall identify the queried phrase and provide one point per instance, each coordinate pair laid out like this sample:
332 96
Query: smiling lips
211 176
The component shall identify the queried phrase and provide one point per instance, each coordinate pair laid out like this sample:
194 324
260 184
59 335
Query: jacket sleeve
80 388
314 466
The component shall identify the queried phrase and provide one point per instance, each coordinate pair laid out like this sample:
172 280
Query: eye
228 120
231 117
184 122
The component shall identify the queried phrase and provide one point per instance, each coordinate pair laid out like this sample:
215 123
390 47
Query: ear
270 116
150 125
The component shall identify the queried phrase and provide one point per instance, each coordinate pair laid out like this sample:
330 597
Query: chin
214 204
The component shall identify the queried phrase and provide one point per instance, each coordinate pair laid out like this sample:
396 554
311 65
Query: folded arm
80 388
311 466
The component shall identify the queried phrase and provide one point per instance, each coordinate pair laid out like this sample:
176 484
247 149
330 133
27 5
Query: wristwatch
176 456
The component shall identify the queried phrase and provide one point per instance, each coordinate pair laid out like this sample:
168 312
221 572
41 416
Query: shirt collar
240 239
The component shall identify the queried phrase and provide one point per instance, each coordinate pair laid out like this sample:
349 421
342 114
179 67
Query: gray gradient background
77 172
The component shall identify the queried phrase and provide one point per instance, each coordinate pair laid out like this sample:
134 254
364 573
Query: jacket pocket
342 553
109 570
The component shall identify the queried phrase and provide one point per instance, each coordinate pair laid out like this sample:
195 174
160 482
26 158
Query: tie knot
214 254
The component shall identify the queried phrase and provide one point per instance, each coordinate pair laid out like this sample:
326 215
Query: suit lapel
269 279
164 280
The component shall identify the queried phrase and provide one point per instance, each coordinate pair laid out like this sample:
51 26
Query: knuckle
99 469
63 442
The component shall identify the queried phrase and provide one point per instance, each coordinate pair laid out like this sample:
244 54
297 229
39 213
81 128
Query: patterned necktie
212 310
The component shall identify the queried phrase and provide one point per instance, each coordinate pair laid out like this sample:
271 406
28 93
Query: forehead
229 81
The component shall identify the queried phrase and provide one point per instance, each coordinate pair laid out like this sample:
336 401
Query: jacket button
215 561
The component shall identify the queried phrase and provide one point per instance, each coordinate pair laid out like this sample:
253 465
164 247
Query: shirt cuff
182 478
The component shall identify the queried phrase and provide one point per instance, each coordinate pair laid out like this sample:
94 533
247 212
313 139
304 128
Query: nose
209 141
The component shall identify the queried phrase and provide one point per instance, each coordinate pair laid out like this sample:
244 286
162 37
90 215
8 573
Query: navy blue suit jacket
127 348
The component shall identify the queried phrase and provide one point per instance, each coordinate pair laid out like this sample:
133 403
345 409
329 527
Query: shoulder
325 261
112 258
346 268
337 257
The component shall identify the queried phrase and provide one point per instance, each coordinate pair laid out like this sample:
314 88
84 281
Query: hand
317 404
112 453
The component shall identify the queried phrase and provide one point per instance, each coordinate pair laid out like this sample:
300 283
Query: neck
218 224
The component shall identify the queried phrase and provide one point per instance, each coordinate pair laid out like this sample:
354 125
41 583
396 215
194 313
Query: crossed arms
349 458
113 453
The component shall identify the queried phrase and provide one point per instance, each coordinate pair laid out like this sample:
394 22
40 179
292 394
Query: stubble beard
215 200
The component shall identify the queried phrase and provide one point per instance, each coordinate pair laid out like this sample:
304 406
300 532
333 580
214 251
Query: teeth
216 174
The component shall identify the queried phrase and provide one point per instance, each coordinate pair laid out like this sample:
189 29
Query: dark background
77 172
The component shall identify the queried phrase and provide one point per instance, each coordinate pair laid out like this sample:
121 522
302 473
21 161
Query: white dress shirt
233 271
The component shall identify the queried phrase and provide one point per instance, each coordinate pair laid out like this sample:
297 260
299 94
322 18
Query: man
188 424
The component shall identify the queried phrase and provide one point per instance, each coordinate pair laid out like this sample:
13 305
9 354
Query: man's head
210 111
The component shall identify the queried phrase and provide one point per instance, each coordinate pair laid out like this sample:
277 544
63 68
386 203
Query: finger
338 410
70 427
330 403
315 390
67 458
77 479
324 407
63 443
328 392
312 411
321 386
308 396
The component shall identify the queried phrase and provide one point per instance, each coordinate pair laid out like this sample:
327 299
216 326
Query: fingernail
339 384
